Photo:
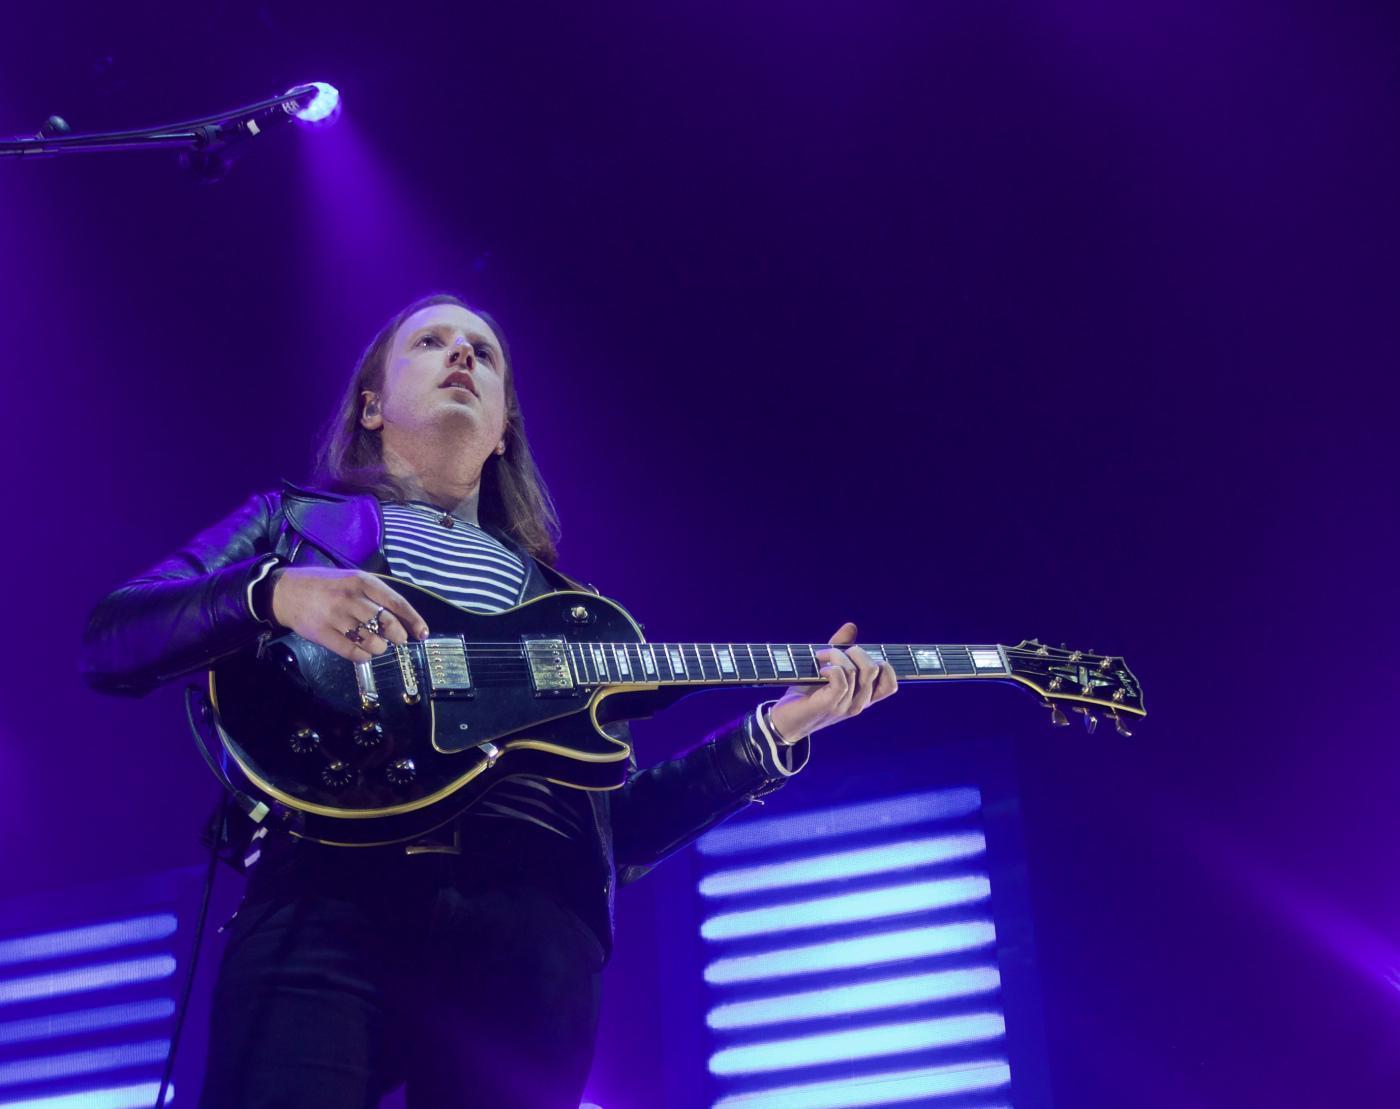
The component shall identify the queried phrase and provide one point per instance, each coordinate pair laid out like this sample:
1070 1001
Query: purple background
969 321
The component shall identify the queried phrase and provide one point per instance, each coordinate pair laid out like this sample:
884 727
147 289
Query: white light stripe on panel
887 993
113 1097
91 937
85 1020
100 977
843 864
857 1043
875 1089
862 951
895 812
89 1061
848 908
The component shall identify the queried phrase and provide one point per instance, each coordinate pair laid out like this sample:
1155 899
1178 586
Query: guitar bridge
411 695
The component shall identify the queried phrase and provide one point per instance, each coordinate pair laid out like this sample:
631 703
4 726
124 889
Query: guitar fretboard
760 663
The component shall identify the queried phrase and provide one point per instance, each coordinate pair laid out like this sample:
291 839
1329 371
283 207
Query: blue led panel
839 865
87 994
93 937
800 828
864 997
852 956
141 1096
878 1089
57 1025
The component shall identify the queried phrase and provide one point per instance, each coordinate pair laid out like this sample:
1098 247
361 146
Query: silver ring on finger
354 634
373 622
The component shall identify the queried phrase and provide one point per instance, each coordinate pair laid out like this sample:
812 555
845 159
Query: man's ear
371 419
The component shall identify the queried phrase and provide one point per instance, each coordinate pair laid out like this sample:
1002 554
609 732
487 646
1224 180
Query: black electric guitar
386 750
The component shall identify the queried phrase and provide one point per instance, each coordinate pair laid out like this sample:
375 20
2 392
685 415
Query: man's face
444 372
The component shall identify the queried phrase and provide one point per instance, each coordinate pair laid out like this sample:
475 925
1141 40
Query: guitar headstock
1089 684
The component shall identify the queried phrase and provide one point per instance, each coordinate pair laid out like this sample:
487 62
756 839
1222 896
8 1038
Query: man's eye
427 339
485 356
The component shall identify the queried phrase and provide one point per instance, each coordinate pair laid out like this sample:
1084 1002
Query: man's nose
461 352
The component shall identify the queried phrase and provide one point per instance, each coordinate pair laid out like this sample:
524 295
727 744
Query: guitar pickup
447 672
548 661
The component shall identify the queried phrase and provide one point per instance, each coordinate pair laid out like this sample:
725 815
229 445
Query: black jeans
352 971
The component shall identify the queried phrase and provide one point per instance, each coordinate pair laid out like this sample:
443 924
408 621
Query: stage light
848 908
864 997
895 812
876 1089
864 951
91 937
843 864
90 1061
85 1020
870 1042
324 107
100 977
140 1096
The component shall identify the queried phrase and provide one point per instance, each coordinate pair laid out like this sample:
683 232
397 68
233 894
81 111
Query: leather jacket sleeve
667 806
186 611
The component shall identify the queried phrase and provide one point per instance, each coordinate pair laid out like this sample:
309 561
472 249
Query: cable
253 808
221 823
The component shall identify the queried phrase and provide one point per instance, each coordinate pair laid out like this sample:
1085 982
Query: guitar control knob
337 775
401 772
304 740
369 735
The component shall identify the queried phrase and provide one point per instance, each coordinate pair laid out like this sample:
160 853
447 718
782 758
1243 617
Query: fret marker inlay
986 660
926 658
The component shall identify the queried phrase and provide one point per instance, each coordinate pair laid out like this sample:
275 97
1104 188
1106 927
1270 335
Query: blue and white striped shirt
471 567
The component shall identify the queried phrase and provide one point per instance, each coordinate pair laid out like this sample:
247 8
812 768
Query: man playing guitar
464 964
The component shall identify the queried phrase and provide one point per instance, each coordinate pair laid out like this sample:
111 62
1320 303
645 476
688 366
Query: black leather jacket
193 608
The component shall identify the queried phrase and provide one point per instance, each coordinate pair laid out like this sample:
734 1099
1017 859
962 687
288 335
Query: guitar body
349 769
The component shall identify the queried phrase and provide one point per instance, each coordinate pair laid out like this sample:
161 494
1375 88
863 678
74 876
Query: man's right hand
322 604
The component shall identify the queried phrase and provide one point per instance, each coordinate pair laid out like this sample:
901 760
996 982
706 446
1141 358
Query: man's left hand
853 683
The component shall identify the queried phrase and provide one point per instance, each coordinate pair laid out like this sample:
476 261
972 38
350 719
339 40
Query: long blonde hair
514 499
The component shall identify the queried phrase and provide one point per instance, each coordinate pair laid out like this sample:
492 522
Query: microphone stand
207 134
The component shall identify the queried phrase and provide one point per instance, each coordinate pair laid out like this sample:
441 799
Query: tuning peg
1118 724
1106 664
1090 720
1057 718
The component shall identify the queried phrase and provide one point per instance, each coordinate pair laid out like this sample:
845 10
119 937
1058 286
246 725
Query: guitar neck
747 664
